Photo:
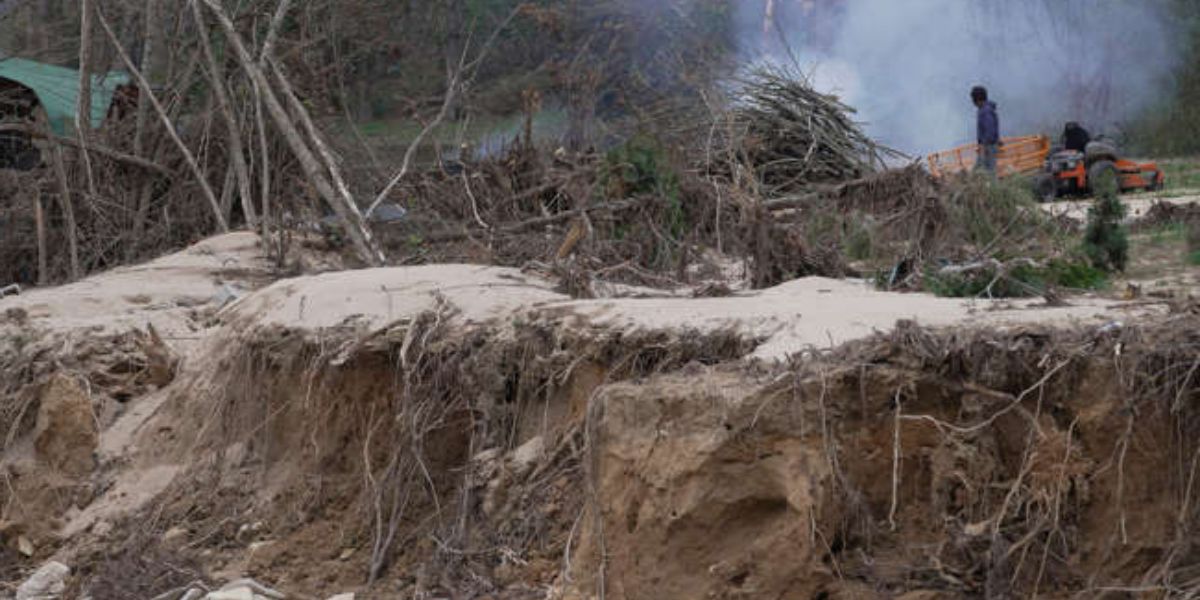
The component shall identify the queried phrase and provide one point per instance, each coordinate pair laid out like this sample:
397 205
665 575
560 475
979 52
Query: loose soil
466 431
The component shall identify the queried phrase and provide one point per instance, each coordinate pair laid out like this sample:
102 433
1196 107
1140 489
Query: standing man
987 130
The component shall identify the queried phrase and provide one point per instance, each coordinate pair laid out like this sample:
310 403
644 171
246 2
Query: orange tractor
1056 172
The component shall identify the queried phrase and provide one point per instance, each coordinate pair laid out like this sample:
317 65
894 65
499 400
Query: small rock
226 295
241 593
66 437
529 452
342 597
346 554
48 583
387 213
256 590
247 532
24 546
174 534
102 528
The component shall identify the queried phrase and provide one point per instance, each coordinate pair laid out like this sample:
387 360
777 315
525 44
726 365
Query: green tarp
57 88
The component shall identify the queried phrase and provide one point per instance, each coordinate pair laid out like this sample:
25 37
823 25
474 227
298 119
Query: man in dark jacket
1075 137
987 129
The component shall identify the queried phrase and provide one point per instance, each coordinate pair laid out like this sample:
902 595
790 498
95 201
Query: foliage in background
1172 128
1106 241
1021 281
1193 243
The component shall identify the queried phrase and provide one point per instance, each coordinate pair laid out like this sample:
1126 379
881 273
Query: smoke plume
908 65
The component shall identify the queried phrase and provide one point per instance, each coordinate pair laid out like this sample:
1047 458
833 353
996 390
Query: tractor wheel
1103 176
1045 188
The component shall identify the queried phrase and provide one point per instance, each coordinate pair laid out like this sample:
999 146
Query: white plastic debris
47 583
226 295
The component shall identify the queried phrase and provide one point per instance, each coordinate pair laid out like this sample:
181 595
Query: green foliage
1181 173
1106 241
1020 282
988 210
1073 274
1172 127
1169 234
859 234
1193 244
640 167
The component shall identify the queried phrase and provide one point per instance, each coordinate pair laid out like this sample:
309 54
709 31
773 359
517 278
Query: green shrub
641 168
989 213
859 235
1106 241
1022 281
1193 243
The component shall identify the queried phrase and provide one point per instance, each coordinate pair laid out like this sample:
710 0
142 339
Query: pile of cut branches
796 136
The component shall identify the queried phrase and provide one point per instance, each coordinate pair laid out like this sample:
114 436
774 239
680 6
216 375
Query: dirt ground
467 431
1138 204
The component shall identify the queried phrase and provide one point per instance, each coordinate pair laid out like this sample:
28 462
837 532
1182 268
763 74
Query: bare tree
166 120
340 202
237 154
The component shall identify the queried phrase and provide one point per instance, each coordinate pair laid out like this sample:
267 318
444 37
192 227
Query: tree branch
166 120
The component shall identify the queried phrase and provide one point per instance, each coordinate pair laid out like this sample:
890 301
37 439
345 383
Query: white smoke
908 65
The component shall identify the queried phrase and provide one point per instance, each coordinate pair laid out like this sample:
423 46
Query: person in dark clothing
1075 137
987 129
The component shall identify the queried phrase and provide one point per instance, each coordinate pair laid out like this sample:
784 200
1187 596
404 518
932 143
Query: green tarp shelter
57 89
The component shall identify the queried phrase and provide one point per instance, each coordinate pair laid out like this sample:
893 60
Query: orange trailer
1061 173
1018 156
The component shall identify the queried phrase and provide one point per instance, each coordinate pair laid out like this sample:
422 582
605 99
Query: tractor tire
1103 175
1045 188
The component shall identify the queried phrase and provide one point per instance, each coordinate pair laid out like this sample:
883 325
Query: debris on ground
47 583
797 137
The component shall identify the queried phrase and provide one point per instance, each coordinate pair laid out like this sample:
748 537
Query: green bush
1193 243
1106 241
1171 127
641 168
1022 281
985 213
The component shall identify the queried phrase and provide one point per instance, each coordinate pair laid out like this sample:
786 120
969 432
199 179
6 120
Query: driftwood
530 224
92 147
797 136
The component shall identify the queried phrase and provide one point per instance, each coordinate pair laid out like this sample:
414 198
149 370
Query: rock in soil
67 435
47 583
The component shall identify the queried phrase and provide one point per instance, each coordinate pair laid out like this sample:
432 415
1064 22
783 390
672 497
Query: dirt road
1138 204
